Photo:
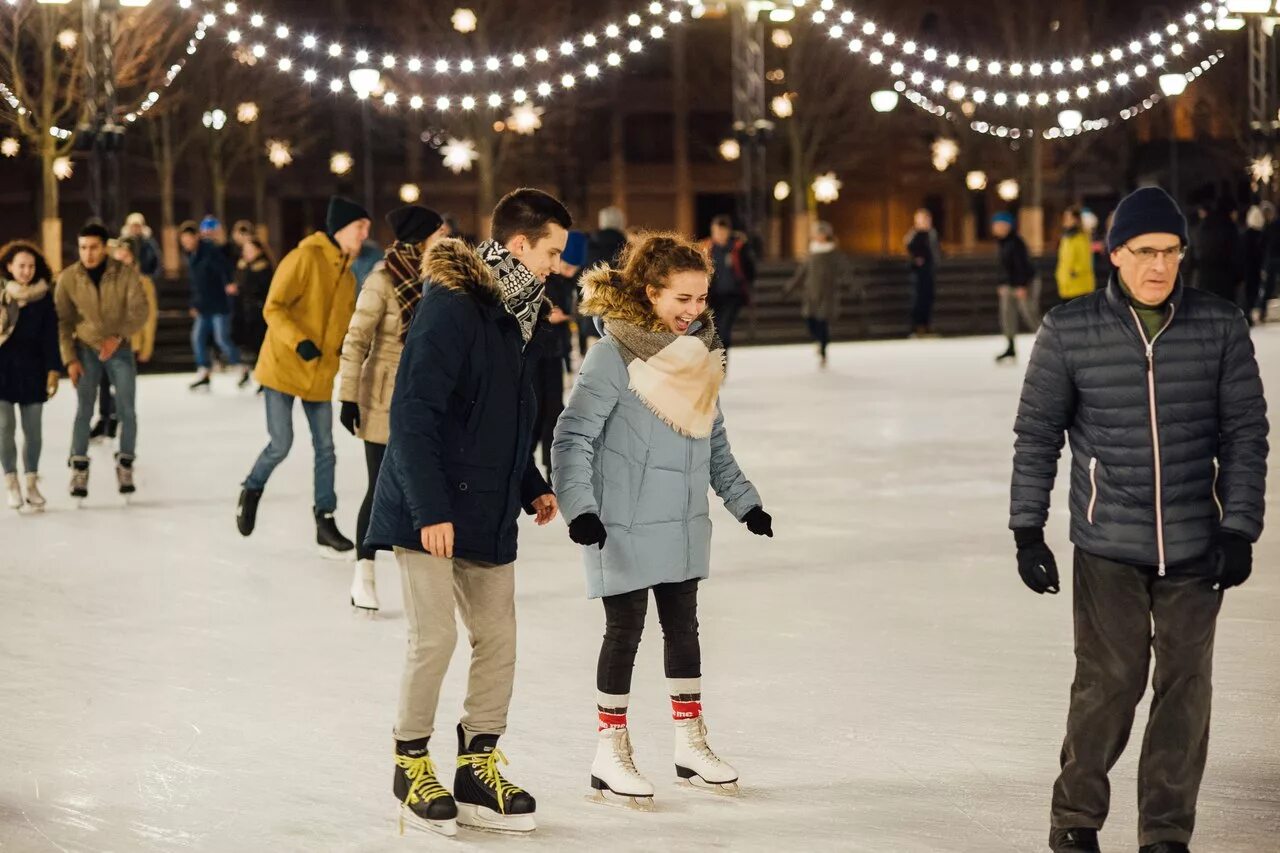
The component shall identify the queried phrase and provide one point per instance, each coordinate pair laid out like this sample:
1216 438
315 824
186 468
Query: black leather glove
586 529
1036 565
308 351
759 522
349 417
1233 560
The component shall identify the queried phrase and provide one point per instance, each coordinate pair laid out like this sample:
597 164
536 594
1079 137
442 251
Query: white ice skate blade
621 801
487 820
447 828
697 783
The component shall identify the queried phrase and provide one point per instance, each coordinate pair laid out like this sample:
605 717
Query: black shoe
1010 353
201 384
427 803
99 429
244 379
485 799
333 545
113 425
247 510
1077 840
1165 847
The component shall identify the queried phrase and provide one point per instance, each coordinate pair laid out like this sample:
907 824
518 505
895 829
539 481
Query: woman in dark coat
253 280
29 364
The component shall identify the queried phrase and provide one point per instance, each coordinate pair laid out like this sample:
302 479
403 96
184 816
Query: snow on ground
877 672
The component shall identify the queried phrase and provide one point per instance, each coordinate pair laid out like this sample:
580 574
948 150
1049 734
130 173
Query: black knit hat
342 212
1149 210
413 223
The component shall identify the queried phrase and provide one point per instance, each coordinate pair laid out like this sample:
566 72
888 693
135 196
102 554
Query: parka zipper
1155 426
1093 486
1217 469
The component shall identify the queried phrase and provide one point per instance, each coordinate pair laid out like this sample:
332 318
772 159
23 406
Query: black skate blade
485 819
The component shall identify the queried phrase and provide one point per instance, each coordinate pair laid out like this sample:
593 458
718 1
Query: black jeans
726 310
624 623
820 331
548 387
923 288
1115 607
373 455
106 401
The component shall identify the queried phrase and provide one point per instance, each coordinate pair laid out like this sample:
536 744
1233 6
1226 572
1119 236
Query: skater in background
1253 247
925 255
1019 290
30 366
1216 254
548 382
101 304
733 275
252 283
309 305
370 357
820 278
145 248
212 280
1074 272
644 411
458 469
1271 259
144 342
1122 374
603 247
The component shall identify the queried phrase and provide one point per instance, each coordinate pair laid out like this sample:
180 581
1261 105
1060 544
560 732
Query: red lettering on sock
612 721
685 710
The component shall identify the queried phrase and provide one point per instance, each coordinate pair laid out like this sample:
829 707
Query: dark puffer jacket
462 417
1146 489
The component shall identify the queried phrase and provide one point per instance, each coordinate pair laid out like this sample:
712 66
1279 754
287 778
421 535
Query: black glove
308 351
759 522
586 529
1232 560
349 417
1036 565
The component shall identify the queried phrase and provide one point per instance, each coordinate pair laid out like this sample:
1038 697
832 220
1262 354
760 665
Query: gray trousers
484 595
32 436
1011 308
1121 614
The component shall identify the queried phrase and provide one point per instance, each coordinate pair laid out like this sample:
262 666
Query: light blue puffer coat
648 483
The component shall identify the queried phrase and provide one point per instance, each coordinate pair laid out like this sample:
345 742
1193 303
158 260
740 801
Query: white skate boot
14 490
614 778
696 765
35 500
364 593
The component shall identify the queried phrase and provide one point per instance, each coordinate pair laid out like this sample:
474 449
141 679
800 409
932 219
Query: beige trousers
485 596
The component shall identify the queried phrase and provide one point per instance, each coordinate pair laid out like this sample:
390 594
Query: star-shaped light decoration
463 20
826 188
10 147
340 163
525 119
68 39
1262 171
62 168
945 151
459 154
278 153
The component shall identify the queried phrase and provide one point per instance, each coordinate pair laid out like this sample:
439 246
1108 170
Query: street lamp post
365 81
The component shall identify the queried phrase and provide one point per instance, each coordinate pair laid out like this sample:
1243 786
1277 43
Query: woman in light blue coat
636 450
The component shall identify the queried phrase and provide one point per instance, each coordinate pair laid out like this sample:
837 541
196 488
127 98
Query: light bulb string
243 29
869 34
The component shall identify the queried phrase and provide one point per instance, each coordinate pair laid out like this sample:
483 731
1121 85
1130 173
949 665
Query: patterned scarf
403 265
521 291
13 298
677 376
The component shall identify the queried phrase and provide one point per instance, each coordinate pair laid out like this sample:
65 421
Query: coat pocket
1093 487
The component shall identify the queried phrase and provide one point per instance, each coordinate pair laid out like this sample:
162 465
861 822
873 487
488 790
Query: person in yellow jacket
1075 257
308 307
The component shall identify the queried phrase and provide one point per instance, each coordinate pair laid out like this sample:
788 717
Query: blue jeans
122 371
31 436
217 326
280 428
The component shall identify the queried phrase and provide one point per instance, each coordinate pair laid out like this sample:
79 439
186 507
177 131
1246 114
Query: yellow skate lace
421 773
485 765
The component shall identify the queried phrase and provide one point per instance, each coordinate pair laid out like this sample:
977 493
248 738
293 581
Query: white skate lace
622 753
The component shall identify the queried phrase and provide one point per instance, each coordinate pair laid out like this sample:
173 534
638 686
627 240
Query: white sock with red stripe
686 698
612 710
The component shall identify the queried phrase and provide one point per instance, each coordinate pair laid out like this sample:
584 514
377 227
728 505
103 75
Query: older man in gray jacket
1157 388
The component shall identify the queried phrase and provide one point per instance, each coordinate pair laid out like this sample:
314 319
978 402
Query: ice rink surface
877 673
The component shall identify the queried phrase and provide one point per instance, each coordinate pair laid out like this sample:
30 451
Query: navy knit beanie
342 212
413 223
1149 210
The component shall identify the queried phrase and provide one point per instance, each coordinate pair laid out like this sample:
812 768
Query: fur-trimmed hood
454 265
605 296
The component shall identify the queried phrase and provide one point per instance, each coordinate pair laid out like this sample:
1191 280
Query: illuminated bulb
442 103
566 48
952 60
309 42
335 49
635 46
468 102
614 59
495 100
1055 67
442 65
592 70
466 66
993 68
541 54
415 65
310 75
282 32
519 96
415 102
544 89
335 85
567 81
518 60
930 55
285 64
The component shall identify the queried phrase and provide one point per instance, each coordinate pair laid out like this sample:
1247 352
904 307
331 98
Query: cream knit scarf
677 376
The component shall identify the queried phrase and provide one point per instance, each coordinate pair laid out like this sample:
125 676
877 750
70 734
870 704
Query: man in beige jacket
101 304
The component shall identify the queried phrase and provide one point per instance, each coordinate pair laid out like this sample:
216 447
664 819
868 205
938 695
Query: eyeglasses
1147 255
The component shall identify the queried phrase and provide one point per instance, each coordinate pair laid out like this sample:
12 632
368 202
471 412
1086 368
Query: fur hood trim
604 295
454 265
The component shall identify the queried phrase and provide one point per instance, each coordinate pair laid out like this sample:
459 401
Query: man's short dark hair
528 212
722 221
189 227
96 229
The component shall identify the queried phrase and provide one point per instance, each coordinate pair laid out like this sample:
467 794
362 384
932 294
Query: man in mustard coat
308 307
1075 257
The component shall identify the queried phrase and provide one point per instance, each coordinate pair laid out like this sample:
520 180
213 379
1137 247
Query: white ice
877 673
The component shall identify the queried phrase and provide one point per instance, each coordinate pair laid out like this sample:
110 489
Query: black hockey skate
333 545
1074 841
485 799
424 802
247 510
1165 847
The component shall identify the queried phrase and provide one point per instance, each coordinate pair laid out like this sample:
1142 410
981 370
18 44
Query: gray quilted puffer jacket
1168 435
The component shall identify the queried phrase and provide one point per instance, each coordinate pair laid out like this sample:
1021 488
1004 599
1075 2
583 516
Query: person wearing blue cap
1156 386
1019 289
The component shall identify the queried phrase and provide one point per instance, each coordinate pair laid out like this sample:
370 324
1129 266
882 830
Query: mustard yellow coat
1075 265
312 297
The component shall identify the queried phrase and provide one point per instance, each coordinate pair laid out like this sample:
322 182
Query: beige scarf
677 376
13 298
